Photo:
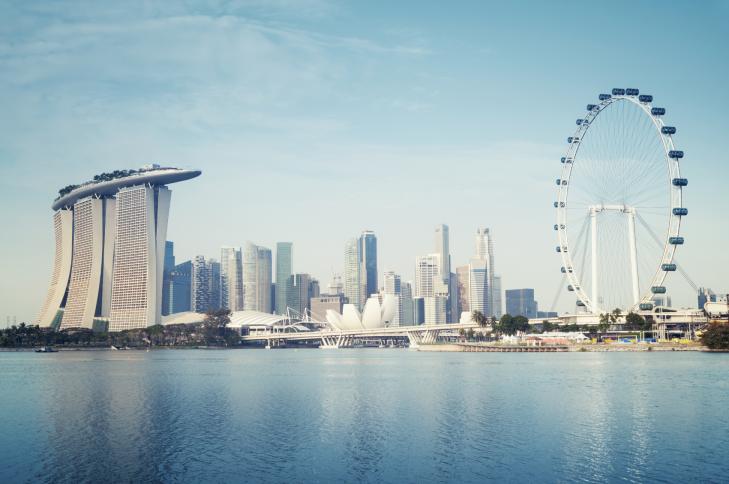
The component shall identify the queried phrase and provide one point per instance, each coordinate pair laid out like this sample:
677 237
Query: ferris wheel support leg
633 255
593 229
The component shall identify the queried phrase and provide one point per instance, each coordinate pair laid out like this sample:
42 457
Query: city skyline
448 121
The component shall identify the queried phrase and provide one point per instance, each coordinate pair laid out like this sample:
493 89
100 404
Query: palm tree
479 318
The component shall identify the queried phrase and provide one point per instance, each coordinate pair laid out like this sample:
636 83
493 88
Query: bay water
362 415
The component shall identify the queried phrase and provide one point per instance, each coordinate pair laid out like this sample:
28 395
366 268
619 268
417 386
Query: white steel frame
673 171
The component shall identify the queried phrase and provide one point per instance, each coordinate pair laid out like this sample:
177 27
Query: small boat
46 349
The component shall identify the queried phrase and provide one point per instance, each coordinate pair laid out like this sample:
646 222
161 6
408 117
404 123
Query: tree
214 326
636 322
716 336
510 325
604 323
615 315
479 318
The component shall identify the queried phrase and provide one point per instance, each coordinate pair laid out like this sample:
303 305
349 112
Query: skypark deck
154 176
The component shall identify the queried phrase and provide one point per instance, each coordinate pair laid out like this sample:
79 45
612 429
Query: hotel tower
110 245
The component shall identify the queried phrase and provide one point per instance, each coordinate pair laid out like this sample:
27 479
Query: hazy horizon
312 121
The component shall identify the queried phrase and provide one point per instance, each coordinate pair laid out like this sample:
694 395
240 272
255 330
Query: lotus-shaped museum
374 315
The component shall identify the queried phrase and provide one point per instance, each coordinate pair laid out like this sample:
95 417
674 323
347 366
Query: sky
314 120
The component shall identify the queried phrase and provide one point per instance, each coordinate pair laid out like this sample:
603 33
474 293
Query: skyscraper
427 274
215 298
284 269
442 248
302 290
110 242
407 318
264 267
393 286
520 302
231 278
354 278
478 299
335 285
182 288
368 254
498 308
485 251
256 278
169 268
464 291
200 285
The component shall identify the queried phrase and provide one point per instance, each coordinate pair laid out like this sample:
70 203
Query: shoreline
435 348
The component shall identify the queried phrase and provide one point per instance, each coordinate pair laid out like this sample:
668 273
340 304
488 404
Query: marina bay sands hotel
110 243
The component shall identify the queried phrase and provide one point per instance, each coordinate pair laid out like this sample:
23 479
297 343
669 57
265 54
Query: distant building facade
284 269
231 278
520 302
320 304
182 288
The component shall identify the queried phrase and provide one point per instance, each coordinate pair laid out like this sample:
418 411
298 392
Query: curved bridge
417 335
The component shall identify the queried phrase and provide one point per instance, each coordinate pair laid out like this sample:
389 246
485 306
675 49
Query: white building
435 309
354 274
478 286
257 275
231 278
393 287
427 274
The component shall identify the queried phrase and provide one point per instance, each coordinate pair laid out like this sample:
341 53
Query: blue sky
314 120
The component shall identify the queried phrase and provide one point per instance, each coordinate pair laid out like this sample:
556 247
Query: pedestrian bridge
417 335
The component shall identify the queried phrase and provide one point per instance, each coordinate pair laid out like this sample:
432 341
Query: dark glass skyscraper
368 253
520 302
181 288
169 267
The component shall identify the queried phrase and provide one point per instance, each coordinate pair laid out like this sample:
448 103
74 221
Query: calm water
363 415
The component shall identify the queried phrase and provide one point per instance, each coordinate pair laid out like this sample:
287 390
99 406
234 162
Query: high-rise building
200 286
335 285
427 274
393 286
498 308
302 290
169 267
442 248
215 299
181 288
485 251
478 287
257 278
435 309
407 317
355 284
464 291
284 269
520 302
454 308
110 243
231 278
265 274
418 310
368 254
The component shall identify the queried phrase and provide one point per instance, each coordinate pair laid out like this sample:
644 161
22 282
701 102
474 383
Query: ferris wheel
619 204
